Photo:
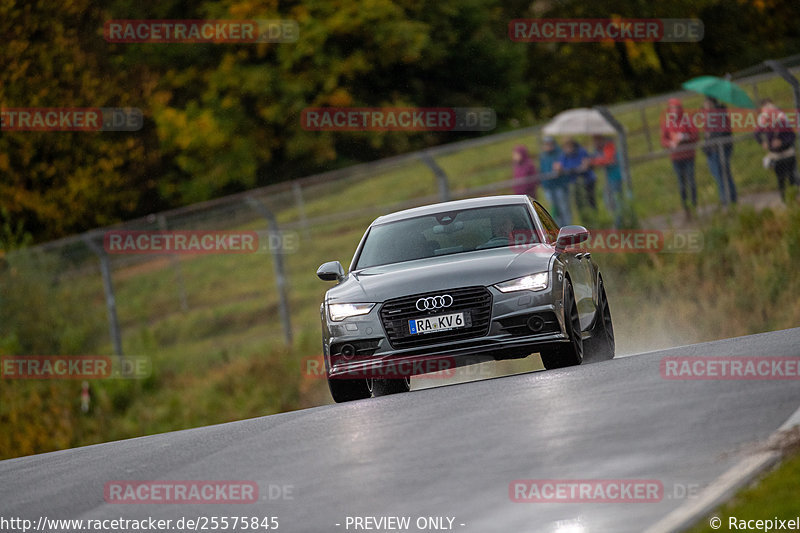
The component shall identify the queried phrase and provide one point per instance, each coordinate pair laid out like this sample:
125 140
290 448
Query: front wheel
567 353
347 390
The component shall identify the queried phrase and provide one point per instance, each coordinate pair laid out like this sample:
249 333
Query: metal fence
129 293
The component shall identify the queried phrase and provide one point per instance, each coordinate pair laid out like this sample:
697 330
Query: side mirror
570 236
331 271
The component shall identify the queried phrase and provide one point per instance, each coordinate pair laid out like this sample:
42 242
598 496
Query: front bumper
368 350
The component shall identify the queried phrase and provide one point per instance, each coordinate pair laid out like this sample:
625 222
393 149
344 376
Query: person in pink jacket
525 179
679 135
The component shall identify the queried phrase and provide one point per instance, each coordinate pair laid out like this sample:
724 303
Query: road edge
724 487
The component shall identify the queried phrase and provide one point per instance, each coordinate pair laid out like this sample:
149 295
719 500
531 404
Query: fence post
108 288
627 196
176 264
439 173
726 189
277 262
623 146
646 127
297 190
790 79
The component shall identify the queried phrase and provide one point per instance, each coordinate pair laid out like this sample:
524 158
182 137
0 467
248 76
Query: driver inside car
502 230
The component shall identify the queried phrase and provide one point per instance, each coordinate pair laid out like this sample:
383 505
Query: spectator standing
679 135
576 163
776 136
718 147
606 156
556 187
525 179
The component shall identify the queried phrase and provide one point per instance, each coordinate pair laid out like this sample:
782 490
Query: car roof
469 203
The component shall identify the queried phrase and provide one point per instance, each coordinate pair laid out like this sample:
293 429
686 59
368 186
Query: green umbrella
721 89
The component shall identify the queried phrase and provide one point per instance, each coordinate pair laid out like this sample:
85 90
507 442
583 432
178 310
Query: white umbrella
580 121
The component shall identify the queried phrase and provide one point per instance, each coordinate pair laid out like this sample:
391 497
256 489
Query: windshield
447 233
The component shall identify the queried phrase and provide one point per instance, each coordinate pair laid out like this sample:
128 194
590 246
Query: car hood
481 267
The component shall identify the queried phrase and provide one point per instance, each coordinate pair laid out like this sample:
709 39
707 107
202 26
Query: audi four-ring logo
434 302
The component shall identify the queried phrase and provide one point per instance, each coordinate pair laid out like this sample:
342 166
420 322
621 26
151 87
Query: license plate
432 324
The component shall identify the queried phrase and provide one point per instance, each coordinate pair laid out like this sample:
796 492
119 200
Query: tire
566 353
601 345
347 390
385 387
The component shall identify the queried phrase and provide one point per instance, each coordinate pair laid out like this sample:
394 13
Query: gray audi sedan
459 283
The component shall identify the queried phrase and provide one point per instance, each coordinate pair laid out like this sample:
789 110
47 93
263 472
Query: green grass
773 496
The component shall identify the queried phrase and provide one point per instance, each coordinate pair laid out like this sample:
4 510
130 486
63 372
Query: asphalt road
450 451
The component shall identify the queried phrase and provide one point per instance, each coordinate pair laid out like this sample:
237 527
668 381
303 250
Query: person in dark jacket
525 179
718 147
556 187
576 163
776 136
679 135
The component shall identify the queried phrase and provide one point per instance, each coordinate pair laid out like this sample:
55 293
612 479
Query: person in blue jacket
576 163
556 186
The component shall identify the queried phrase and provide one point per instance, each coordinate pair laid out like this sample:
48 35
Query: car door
579 266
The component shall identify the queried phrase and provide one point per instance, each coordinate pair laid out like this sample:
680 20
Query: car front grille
475 302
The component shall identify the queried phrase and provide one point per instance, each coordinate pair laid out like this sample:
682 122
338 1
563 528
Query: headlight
339 312
533 282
